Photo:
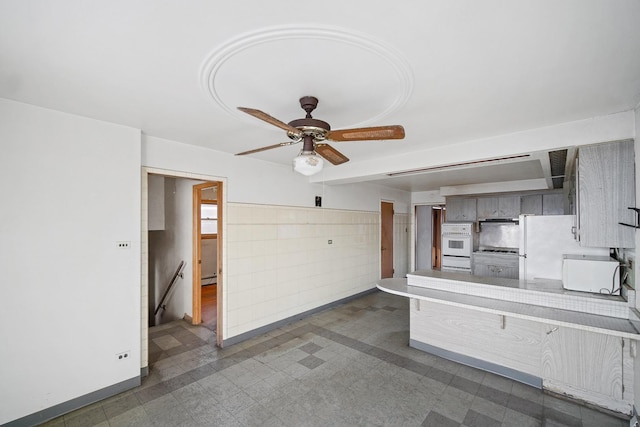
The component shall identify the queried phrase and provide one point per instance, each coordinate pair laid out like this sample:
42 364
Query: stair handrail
177 274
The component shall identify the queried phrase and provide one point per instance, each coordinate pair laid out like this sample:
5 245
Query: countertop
539 285
617 326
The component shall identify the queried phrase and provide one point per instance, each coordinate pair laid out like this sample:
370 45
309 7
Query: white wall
263 183
257 186
70 298
156 202
427 198
401 242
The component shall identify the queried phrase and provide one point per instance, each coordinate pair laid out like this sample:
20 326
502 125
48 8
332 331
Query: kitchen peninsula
576 344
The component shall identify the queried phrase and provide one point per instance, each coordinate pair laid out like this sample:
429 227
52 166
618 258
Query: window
209 219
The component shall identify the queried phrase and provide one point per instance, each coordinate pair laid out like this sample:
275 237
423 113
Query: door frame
144 256
196 317
437 218
382 235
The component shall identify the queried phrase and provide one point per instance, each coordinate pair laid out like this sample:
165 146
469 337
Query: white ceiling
448 71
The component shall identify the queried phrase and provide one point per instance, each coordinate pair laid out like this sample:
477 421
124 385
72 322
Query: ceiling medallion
218 66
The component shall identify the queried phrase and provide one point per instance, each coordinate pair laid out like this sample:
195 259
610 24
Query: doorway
436 249
428 236
386 240
185 207
207 270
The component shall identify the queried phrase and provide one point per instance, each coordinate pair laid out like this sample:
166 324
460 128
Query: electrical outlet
122 356
123 245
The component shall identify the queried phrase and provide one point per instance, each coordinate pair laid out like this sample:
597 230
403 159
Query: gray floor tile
119 406
349 366
435 419
498 382
256 415
464 384
525 406
527 392
476 419
517 419
190 392
136 417
56 422
453 404
238 403
91 416
493 395
311 362
220 387
593 418
562 405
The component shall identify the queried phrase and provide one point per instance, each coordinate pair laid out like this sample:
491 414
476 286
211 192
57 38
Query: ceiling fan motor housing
310 126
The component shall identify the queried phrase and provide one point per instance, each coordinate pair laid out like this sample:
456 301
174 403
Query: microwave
587 273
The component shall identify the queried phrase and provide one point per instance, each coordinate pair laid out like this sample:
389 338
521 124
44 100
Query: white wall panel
71 298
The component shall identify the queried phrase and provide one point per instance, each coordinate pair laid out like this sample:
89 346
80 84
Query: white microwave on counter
588 273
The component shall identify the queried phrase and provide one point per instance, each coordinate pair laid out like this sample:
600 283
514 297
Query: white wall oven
458 243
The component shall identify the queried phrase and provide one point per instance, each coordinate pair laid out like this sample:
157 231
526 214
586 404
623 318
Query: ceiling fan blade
331 154
271 120
269 147
367 134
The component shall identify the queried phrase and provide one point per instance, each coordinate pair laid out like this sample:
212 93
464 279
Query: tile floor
349 366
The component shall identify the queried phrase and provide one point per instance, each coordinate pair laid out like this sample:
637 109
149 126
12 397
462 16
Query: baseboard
280 323
515 375
73 404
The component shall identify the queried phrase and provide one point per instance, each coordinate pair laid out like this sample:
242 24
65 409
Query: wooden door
197 255
386 240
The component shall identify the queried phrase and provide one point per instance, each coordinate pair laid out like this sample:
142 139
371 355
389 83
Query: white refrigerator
544 239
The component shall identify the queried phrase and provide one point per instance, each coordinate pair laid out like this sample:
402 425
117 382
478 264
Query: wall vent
558 162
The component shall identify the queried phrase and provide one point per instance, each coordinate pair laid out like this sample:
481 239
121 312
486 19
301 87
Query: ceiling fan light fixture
308 163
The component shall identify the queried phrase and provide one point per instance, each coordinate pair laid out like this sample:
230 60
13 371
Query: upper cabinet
498 207
531 204
553 203
605 184
461 209
549 203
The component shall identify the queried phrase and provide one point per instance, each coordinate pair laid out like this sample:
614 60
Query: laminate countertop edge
624 328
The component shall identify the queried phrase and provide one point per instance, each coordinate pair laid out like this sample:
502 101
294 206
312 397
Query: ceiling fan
314 133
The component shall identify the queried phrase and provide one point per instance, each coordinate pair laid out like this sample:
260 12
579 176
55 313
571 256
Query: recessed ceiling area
460 176
449 72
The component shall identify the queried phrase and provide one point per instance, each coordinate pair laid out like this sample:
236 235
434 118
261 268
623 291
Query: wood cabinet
587 366
553 203
461 209
531 204
495 265
498 207
509 342
605 190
